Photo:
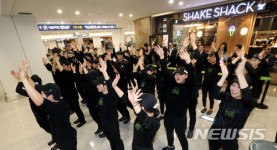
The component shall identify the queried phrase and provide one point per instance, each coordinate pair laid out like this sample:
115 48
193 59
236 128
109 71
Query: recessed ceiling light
189 5
60 11
131 15
48 22
89 22
181 3
171 1
77 12
99 23
120 14
62 22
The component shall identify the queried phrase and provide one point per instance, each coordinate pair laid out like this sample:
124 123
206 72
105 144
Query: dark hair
146 45
239 46
65 62
225 47
266 45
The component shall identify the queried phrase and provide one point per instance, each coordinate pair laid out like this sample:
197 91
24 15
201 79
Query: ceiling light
77 12
89 22
188 5
48 22
62 22
181 3
131 15
60 11
99 23
120 14
171 1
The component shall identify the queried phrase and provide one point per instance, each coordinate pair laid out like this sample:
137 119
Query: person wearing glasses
172 54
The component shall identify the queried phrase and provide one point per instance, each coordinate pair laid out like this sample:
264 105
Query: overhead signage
240 8
47 27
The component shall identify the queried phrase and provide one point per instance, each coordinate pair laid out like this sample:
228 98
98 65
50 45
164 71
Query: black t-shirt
108 111
232 113
178 95
62 132
146 82
67 83
145 128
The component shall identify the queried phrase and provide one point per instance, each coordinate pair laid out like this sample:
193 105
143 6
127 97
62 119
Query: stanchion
262 105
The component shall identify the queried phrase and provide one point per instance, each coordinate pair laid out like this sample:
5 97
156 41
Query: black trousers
74 104
177 123
225 144
95 114
205 89
192 113
81 90
41 118
162 99
113 135
122 108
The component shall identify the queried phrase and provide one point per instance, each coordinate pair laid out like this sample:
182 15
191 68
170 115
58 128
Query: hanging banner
234 9
47 27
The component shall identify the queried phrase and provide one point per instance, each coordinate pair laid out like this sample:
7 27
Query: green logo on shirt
210 70
101 102
142 84
175 90
230 113
138 126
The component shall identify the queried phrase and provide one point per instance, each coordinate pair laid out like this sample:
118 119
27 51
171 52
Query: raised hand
44 60
213 47
240 69
116 79
186 42
15 74
80 68
192 37
23 71
84 65
184 55
103 65
73 67
134 96
242 52
224 69
73 46
159 51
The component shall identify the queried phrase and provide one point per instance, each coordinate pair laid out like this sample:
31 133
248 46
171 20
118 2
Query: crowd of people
137 79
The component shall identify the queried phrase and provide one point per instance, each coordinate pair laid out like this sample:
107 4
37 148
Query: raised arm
35 96
192 41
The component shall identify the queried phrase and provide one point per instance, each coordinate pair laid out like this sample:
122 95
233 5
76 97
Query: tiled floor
19 130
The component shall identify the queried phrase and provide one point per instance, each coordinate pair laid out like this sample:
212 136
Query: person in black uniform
234 109
41 116
211 77
49 101
178 96
146 124
108 110
69 92
146 78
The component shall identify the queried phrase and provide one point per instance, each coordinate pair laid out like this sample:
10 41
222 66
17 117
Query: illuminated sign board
240 8
43 27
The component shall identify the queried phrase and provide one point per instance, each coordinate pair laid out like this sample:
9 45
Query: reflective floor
19 130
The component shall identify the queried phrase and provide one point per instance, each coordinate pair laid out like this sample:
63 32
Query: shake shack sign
240 8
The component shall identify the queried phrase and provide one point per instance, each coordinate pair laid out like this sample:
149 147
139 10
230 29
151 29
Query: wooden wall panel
142 31
239 22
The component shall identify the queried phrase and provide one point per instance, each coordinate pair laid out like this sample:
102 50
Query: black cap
149 102
149 68
100 80
65 62
50 88
181 70
214 53
95 49
36 79
56 50
119 53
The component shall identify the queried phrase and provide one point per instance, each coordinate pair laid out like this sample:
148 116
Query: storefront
250 23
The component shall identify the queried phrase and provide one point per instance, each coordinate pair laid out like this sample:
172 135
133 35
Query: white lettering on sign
228 10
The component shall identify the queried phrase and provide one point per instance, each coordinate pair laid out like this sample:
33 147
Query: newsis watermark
229 134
